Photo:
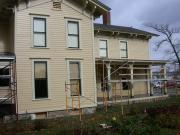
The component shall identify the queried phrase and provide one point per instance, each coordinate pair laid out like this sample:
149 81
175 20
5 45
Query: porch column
108 66
165 78
151 81
132 80
148 82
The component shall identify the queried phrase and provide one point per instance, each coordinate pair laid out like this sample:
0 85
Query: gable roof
121 29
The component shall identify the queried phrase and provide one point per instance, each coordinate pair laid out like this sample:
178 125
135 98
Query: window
103 48
75 78
125 85
40 79
124 49
39 32
5 77
73 34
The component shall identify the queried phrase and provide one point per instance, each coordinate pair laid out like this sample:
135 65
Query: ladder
74 98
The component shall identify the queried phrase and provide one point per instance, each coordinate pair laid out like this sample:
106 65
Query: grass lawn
157 118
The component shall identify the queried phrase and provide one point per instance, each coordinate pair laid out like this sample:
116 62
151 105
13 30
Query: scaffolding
73 98
132 75
9 98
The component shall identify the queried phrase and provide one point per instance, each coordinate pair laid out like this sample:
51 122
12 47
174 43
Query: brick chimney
107 18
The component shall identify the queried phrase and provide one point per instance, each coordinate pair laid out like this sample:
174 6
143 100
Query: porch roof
135 61
7 57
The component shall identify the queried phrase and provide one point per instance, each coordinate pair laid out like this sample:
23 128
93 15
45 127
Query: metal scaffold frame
11 97
73 99
106 82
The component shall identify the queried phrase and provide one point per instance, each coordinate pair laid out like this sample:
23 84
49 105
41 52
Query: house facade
54 58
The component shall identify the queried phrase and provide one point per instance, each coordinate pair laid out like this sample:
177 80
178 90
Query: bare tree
168 35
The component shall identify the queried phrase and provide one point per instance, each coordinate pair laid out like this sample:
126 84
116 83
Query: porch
119 79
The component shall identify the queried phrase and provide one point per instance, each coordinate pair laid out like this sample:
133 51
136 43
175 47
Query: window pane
75 87
73 28
74 70
39 39
39 25
124 45
40 70
73 41
41 81
4 71
103 53
103 44
4 82
124 54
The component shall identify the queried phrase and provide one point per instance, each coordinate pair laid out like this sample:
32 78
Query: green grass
90 123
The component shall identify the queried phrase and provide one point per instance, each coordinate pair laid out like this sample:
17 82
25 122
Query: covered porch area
118 79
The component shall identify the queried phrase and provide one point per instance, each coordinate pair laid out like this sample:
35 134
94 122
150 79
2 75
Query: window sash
73 41
124 49
103 48
5 77
73 34
40 80
75 78
103 52
39 31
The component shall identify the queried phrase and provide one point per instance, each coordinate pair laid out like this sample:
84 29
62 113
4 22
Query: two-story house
52 53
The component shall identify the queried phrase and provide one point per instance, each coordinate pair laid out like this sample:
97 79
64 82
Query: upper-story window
39 32
103 48
123 49
73 34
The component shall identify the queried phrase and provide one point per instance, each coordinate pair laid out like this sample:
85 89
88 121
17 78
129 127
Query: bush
40 124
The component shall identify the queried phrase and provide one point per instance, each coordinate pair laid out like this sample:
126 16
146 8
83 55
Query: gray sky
137 12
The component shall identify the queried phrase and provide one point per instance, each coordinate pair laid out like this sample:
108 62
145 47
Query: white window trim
100 39
67 41
48 75
81 75
32 30
120 49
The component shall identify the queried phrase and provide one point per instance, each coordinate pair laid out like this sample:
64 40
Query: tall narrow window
75 78
4 77
39 32
123 49
103 48
40 79
73 34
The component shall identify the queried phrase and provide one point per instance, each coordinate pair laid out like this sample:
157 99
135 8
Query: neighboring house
49 51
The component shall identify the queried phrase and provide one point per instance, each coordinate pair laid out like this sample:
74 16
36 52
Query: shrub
40 124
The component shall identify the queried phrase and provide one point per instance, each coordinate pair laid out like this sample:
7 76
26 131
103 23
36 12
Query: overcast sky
135 13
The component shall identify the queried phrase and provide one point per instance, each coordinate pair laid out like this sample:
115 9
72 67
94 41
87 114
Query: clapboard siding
56 54
137 48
